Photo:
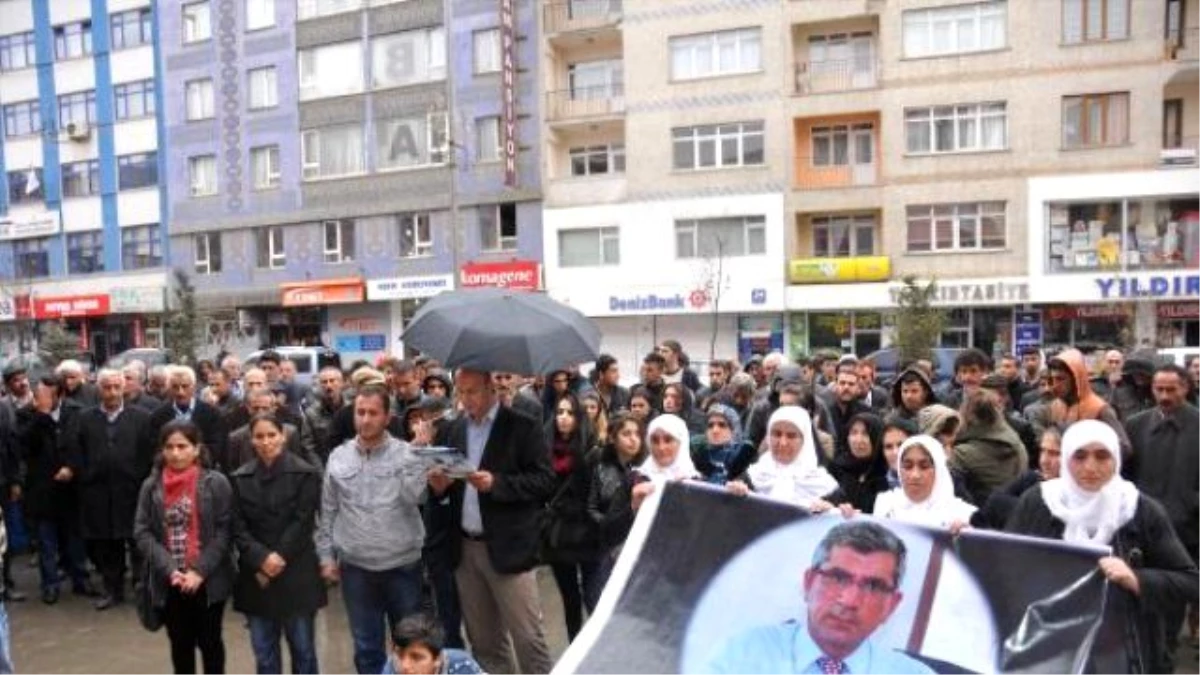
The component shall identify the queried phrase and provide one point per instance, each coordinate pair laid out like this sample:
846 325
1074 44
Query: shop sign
652 302
35 225
136 300
328 292
360 342
839 270
1064 312
1158 286
517 275
1174 310
966 293
508 89
8 308
70 306
409 288
1027 330
358 324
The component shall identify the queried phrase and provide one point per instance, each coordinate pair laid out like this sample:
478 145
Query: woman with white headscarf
789 470
926 492
670 457
1091 504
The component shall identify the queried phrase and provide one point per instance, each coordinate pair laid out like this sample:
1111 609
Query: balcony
1180 152
585 103
820 77
810 177
571 16
1183 44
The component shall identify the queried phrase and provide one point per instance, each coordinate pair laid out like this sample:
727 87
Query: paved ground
71 637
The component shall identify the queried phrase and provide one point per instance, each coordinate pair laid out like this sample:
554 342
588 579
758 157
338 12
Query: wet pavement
71 637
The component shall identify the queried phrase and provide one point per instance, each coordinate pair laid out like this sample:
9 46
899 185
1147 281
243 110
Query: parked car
309 361
1178 355
887 364
37 364
150 356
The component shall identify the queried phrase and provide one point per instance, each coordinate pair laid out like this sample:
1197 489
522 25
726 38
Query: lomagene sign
517 275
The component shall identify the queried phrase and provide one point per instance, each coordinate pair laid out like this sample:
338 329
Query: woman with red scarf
183 530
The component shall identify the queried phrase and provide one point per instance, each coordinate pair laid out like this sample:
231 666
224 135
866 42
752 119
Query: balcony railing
1181 151
565 16
1183 44
810 177
816 77
584 102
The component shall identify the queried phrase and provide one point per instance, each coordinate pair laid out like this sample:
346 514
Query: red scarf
178 485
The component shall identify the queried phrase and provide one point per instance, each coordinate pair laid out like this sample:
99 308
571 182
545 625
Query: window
307 9
140 247
498 227
81 179
408 58
1123 233
264 90
416 237
596 80
264 163
134 99
1095 120
137 171
332 151
198 95
487 139
711 54
597 160
270 247
590 247
197 22
85 252
260 14
717 145
17 51
25 186
957 128
208 253
955 29
843 236
1094 20
841 61
716 237
78 108
22 119
972 226
412 142
339 241
331 70
202 175
486 48
843 144
32 257
132 28
72 40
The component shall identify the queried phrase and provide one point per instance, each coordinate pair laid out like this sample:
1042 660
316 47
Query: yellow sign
839 270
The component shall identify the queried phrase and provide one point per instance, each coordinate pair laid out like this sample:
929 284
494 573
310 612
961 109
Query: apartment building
322 149
82 231
909 137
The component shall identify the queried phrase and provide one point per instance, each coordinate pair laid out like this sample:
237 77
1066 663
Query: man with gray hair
156 383
850 590
135 391
75 385
184 405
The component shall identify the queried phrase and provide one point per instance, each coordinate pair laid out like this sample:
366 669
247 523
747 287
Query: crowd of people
193 487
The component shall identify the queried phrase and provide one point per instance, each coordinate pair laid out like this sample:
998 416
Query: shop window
1125 234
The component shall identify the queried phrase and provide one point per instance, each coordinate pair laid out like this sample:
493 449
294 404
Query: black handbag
150 615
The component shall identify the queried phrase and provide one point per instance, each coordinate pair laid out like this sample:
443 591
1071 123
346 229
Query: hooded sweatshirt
898 406
1085 403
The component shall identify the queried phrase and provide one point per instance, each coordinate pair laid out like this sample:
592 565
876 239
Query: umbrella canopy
494 329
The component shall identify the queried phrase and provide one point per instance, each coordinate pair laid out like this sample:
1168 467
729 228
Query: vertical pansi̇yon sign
508 86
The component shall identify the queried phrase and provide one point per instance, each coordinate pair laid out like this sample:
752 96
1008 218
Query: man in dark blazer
109 456
493 524
240 449
182 404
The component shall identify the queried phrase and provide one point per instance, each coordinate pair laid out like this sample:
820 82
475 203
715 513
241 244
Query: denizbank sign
647 303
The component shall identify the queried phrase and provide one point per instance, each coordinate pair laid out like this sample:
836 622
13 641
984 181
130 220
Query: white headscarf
941 507
1090 517
682 466
800 482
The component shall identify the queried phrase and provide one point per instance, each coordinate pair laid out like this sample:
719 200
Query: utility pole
452 144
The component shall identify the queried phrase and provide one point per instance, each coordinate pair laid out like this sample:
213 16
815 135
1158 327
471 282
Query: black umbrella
495 329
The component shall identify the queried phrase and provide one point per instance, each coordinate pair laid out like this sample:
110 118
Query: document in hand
452 461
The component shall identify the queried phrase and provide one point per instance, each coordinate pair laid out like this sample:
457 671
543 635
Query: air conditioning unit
78 131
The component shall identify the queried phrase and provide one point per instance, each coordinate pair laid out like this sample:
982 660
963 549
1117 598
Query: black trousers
108 555
193 623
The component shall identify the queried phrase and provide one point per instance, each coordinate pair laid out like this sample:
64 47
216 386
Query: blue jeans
300 631
48 558
375 601
6 664
445 599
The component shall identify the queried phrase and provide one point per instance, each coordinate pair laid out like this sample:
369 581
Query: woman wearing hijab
669 458
861 473
926 492
789 470
723 452
1091 504
677 400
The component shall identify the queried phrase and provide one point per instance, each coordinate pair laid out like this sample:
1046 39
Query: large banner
713 583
